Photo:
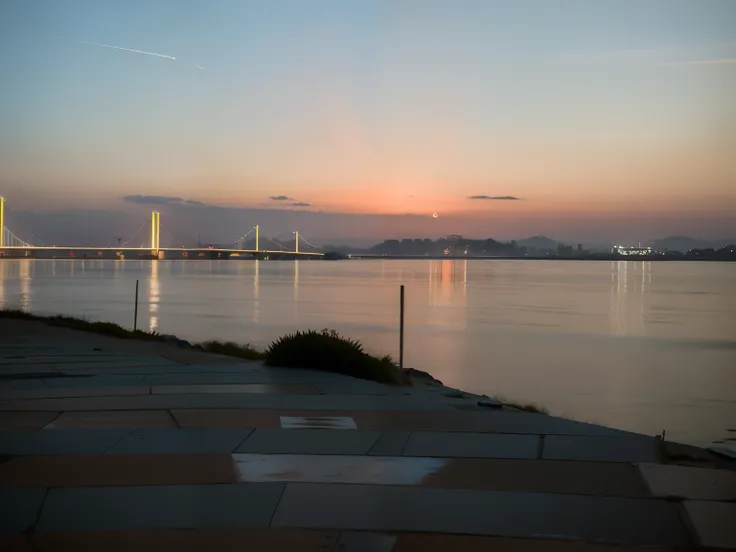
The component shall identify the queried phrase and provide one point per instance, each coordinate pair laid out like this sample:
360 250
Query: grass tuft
329 351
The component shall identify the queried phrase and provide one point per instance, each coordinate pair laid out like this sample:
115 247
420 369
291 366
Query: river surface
635 345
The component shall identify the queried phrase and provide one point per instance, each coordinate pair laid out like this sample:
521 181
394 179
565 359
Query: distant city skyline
583 121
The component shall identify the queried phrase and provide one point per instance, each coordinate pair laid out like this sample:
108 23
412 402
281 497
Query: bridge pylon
155 231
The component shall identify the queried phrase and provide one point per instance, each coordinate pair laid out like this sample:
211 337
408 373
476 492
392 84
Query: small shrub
329 351
232 349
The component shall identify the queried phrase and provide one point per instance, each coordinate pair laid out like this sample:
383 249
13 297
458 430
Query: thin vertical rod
2 221
135 315
401 329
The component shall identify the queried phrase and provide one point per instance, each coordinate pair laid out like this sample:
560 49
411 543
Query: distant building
628 251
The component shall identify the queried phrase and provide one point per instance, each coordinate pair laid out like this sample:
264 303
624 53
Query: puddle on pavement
318 422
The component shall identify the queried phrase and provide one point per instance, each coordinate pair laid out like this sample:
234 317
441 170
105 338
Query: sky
587 120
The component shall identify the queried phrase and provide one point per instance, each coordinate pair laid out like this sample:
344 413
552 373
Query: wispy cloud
199 67
495 198
126 49
281 198
718 61
301 204
160 200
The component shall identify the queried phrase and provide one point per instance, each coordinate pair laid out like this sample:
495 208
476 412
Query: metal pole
135 316
401 329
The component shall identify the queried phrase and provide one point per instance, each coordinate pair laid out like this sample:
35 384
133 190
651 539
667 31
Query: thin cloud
718 61
281 198
199 67
301 204
161 200
495 198
126 49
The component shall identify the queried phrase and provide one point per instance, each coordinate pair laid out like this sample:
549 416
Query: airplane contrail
126 49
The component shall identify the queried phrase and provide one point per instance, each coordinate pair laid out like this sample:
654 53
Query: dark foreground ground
123 445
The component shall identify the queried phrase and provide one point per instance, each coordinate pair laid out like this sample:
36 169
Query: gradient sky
607 119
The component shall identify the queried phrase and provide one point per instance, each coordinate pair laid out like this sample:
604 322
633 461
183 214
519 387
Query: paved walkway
117 445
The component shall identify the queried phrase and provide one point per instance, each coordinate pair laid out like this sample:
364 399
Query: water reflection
256 290
448 283
630 283
25 284
153 298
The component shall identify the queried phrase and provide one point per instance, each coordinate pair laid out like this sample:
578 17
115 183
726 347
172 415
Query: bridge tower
257 239
2 221
297 242
155 230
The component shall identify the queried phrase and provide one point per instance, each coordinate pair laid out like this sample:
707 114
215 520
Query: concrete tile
294 402
433 542
714 522
318 422
532 515
248 418
601 449
189 540
471 445
242 388
541 476
316 468
19 509
95 381
62 441
391 443
181 441
131 419
15 543
101 470
359 541
168 507
50 393
205 379
309 441
25 420
690 483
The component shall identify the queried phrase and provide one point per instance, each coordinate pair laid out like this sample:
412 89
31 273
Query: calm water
640 346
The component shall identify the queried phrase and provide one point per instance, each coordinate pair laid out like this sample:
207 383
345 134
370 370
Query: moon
435 215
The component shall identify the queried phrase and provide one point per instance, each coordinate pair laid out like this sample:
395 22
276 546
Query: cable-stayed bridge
146 243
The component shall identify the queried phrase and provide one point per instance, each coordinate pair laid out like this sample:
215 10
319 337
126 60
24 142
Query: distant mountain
538 242
685 244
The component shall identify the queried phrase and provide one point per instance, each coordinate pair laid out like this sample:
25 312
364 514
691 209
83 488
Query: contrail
126 49
199 67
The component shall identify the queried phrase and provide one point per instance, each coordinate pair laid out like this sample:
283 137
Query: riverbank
120 444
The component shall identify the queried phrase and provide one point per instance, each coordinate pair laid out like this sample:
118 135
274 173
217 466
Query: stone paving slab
309 441
601 449
96 381
391 443
306 468
96 470
714 522
688 482
362 541
19 508
426 542
171 507
15 543
262 388
70 392
471 445
181 441
529 515
62 441
189 540
167 402
120 419
199 378
26 420
179 369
